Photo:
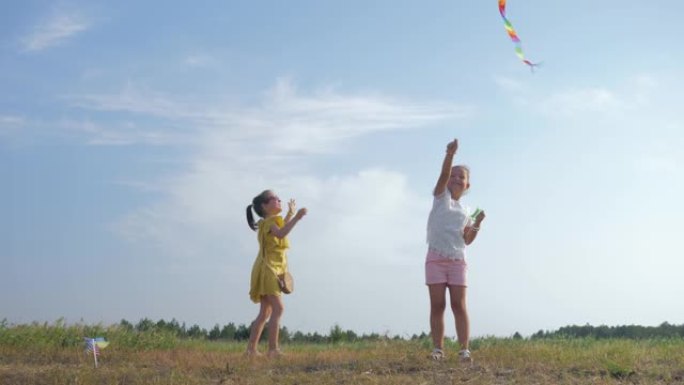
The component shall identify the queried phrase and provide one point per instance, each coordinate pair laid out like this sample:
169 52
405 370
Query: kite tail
514 37
532 65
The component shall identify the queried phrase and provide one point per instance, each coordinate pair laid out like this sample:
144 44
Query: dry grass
497 361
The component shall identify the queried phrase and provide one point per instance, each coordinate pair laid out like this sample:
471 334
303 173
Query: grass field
35 355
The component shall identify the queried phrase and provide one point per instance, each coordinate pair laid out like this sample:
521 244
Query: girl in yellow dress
272 232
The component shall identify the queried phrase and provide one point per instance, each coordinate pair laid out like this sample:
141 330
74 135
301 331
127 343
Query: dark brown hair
257 206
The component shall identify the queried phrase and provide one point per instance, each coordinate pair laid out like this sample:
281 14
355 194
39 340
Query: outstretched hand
452 147
479 218
291 207
300 213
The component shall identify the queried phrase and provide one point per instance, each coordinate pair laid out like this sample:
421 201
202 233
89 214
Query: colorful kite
514 36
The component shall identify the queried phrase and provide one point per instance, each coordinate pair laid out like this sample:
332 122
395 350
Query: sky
134 134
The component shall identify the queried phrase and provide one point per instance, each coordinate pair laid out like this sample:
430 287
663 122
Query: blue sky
132 137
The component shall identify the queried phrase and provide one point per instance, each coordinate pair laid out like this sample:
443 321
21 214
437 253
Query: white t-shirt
447 220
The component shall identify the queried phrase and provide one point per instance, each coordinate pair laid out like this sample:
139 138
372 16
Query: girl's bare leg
437 307
276 304
258 326
458 306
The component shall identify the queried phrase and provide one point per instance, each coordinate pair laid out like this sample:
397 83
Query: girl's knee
437 307
276 305
277 311
458 306
264 314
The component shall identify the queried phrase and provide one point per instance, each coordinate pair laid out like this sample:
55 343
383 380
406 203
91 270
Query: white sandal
437 354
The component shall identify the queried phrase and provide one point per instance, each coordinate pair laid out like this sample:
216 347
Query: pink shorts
444 270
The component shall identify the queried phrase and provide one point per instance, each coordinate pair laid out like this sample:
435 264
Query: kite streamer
514 36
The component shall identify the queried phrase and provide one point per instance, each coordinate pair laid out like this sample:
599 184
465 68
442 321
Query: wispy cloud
136 100
10 124
201 60
55 30
287 121
11 121
121 133
580 101
633 93
318 121
509 84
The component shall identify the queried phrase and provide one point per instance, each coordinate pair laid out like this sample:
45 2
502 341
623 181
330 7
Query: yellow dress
264 281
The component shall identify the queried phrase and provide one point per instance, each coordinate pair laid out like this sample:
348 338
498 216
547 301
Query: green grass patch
50 354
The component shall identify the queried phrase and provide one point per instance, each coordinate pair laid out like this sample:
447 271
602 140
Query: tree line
233 332
162 333
664 330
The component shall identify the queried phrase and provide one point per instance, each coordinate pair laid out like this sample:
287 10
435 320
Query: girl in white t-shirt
449 230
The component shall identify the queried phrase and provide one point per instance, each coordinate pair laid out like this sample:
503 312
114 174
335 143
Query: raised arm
281 232
441 185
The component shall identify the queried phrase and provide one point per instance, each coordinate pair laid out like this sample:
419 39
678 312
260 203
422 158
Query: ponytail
256 205
250 219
